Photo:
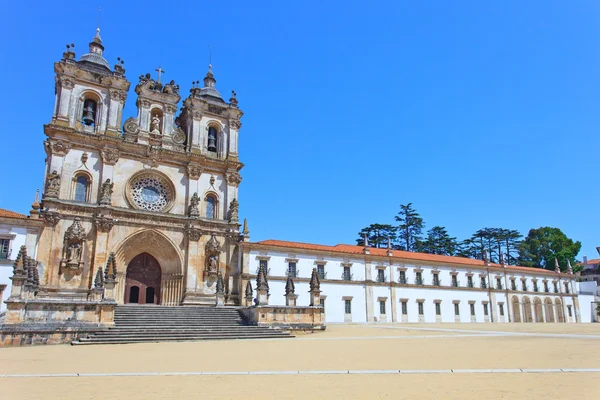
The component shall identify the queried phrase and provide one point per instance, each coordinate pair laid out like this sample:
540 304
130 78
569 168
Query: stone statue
52 184
212 264
74 252
233 210
193 211
106 192
155 125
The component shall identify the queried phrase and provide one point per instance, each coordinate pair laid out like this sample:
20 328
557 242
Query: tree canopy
410 228
543 245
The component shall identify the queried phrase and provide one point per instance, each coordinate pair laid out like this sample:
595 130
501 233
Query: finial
366 240
290 288
36 200
556 266
569 268
315 283
160 71
210 58
502 259
233 100
245 230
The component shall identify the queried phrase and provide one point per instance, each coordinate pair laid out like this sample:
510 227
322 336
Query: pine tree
438 241
410 228
377 235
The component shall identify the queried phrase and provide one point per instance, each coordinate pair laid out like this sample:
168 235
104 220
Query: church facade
145 211
161 193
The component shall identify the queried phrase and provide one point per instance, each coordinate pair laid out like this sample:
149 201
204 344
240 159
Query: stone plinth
284 317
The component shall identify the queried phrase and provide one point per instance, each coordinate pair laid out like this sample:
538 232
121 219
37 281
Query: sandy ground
415 347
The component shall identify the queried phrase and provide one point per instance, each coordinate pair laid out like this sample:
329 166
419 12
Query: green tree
508 241
468 248
543 245
377 235
410 228
438 241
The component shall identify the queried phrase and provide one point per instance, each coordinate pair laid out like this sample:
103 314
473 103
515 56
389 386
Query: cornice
138 151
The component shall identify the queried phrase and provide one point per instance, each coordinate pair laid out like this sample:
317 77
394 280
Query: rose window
149 193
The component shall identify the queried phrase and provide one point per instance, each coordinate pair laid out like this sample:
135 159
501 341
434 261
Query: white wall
6 266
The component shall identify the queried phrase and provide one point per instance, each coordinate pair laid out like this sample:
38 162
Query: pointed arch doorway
142 282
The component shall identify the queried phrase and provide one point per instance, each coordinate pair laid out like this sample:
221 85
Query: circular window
148 191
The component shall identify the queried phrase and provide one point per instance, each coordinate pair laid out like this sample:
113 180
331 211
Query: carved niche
74 241
211 252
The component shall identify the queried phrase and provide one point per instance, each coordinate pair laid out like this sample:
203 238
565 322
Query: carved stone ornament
103 223
51 218
110 156
67 83
58 147
178 136
234 178
194 171
233 210
74 241
170 109
131 126
215 109
235 124
196 115
52 185
146 103
192 232
212 246
106 192
118 95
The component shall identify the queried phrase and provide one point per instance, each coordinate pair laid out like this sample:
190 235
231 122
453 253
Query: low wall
284 317
53 321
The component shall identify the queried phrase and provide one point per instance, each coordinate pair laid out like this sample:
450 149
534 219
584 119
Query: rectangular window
499 283
347 276
263 264
513 284
454 281
404 308
483 283
566 288
348 306
292 269
419 278
420 306
472 306
570 311
535 286
501 309
555 287
438 309
546 287
456 309
322 303
436 279
524 285
402 278
485 309
321 271
380 275
382 307
4 244
470 281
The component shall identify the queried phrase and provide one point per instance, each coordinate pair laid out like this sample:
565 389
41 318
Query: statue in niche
213 265
73 247
155 125
74 253
106 192
212 251
233 210
193 211
52 184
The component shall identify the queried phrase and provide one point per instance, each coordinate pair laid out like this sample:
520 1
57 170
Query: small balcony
436 282
346 276
419 281
470 284
455 283
499 286
381 278
5 255
402 280
322 275
292 273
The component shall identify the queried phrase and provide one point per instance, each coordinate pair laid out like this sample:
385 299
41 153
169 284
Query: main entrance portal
142 284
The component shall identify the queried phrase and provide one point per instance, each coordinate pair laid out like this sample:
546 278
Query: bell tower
89 95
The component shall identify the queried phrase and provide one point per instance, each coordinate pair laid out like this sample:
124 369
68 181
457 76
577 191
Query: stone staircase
150 323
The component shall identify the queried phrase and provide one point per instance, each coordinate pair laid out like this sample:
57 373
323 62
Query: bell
212 144
88 115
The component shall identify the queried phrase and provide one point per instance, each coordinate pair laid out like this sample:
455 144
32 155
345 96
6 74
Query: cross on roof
160 71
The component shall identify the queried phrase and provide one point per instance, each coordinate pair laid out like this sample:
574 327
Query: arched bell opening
143 280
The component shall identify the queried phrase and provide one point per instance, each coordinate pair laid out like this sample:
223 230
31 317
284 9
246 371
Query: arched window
211 207
88 116
81 188
212 139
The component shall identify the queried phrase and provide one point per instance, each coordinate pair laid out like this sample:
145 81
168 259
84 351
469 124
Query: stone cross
160 71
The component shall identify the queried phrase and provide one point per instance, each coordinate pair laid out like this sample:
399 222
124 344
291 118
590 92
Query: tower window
89 112
81 188
212 139
211 204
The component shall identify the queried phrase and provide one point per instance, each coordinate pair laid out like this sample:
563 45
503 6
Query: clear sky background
480 113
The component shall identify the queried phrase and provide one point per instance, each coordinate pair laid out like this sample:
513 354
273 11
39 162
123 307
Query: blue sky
482 114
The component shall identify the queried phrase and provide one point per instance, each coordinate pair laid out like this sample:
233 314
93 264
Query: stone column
115 107
193 235
220 298
64 99
369 292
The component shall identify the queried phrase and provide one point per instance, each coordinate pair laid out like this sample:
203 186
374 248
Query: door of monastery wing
142 284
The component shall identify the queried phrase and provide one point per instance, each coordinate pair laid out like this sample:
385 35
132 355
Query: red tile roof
406 255
11 214
593 261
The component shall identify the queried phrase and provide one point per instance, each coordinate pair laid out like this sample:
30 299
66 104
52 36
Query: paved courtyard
493 361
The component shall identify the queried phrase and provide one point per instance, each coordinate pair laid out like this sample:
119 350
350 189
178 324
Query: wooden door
142 282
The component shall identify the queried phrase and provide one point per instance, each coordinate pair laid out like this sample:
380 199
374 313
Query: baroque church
145 211
160 193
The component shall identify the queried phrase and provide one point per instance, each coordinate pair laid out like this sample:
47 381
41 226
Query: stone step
176 339
142 335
